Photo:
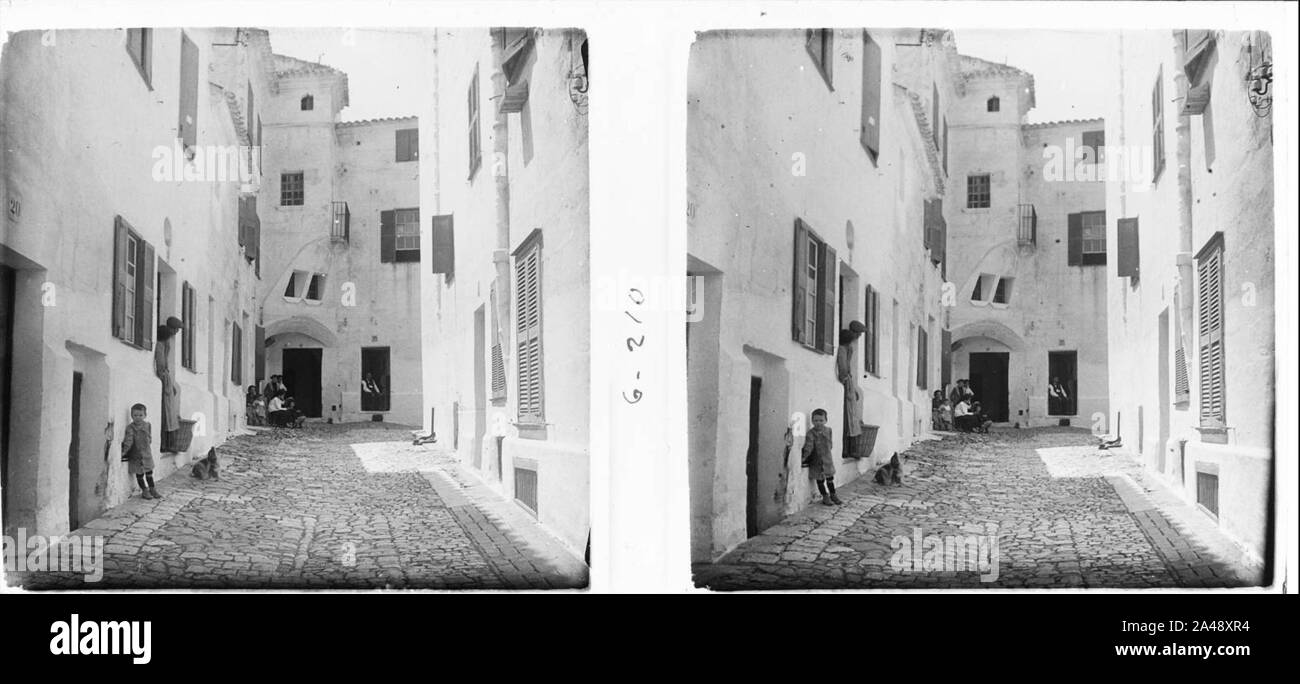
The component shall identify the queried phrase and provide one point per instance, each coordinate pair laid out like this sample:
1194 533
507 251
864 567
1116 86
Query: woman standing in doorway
845 371
171 392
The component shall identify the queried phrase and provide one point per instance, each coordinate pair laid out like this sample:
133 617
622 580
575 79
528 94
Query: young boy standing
817 456
138 453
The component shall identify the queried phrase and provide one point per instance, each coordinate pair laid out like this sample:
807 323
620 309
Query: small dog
208 468
891 473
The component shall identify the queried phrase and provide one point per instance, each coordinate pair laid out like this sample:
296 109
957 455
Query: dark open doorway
751 459
301 370
988 379
74 456
375 377
1062 367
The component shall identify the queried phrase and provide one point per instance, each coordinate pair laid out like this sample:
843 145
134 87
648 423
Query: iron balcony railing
1028 232
342 223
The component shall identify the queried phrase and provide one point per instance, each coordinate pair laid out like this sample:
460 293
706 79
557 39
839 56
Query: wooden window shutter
800 289
145 290
875 330
939 248
259 353
120 237
235 349
498 362
945 145
1129 263
869 338
927 231
1158 124
1074 254
934 117
188 124
249 121
387 236
922 352
871 69
444 245
1095 141
1182 387
528 328
826 277
945 357
1209 264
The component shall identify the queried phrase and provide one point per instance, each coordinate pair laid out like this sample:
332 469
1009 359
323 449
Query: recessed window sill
1213 435
999 305
978 302
311 302
292 300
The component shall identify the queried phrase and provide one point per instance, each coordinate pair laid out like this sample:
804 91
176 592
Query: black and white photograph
975 311
295 308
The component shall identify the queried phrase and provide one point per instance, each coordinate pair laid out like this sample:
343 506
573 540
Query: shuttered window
444 245
821 45
935 230
259 354
236 354
408 144
871 69
133 286
871 340
1086 238
1209 281
945 357
187 322
1129 262
399 235
475 149
187 128
1094 144
139 44
922 357
1182 387
934 117
813 314
1158 125
528 329
498 362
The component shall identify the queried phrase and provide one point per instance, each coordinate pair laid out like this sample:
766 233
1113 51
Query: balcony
1027 235
342 223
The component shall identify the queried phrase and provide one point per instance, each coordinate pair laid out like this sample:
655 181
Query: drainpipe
500 174
1183 158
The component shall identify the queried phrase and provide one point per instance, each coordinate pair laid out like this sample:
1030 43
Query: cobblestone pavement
327 506
1063 514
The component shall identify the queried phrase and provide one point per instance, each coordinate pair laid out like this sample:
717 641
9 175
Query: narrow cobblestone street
328 506
1064 515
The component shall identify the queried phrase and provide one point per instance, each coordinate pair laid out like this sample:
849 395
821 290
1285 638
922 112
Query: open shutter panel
1182 386
945 357
1211 338
871 65
1128 248
1075 239
827 276
444 247
799 290
259 354
939 247
387 237
119 277
529 338
145 311
187 126
927 223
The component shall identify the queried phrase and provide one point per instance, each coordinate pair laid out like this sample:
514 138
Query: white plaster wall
78 117
744 197
1233 194
548 191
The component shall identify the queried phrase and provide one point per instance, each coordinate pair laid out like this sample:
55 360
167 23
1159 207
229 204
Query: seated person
277 414
963 418
981 422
